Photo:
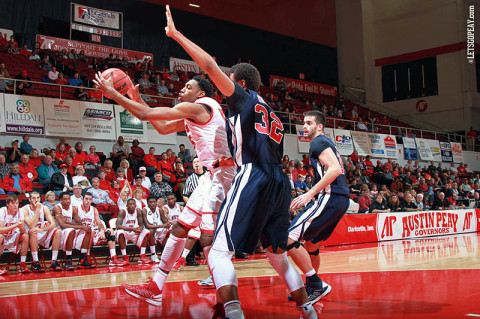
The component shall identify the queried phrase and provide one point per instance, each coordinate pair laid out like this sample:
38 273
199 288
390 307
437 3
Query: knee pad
286 270
220 263
314 253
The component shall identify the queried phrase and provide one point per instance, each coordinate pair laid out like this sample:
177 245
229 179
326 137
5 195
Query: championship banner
24 114
304 86
2 113
343 141
98 121
62 117
90 50
96 17
154 137
423 148
392 226
410 148
446 149
191 66
129 126
390 146
457 152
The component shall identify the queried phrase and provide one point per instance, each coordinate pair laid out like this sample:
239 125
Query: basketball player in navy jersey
257 204
321 216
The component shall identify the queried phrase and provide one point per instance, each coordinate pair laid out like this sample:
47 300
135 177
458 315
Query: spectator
471 138
378 206
166 168
103 182
75 80
184 154
354 188
13 154
61 153
128 173
159 187
136 155
100 196
46 170
108 168
4 85
120 151
394 203
4 71
301 170
61 79
4 167
143 82
20 89
476 197
53 74
70 167
364 203
82 57
184 77
35 159
455 203
145 180
50 200
25 51
115 190
419 202
138 186
26 148
92 159
151 161
300 185
95 95
34 56
397 186
441 202
309 181
24 76
409 204
77 198
73 55
386 178
80 92
461 169
171 158
361 125
81 179
174 76
27 169
180 178
171 90
15 184
45 65
122 200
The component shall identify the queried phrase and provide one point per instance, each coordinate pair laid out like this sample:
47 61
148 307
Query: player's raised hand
104 85
170 28
301 200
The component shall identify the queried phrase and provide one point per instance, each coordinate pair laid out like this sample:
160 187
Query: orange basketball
121 81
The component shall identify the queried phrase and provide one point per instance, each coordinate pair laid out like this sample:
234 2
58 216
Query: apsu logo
23 106
422 106
387 230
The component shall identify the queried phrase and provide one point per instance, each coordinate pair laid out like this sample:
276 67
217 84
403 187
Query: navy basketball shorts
257 206
318 220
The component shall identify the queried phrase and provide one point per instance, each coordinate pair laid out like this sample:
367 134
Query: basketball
121 81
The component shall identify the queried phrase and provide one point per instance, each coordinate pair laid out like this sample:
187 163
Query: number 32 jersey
255 133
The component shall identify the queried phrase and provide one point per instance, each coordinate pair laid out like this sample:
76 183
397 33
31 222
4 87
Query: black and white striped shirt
191 184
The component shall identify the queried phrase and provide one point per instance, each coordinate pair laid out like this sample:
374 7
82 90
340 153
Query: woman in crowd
81 179
34 159
115 190
50 201
108 168
394 203
128 174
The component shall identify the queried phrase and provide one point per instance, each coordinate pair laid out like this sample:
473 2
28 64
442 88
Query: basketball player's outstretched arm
203 59
174 116
330 160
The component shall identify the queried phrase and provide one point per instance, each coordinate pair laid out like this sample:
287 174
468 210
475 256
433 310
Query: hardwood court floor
438 277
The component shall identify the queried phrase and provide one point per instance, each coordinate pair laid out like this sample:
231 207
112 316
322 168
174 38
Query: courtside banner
191 66
354 228
304 86
129 126
410 148
392 226
478 218
98 121
96 17
2 113
343 141
24 114
446 149
62 117
90 50
457 152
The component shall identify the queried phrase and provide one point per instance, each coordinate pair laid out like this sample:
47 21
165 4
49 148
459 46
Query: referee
192 180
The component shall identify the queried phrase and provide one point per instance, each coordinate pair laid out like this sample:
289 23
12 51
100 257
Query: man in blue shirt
75 81
300 186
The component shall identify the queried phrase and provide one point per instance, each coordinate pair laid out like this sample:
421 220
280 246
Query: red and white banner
96 17
304 86
90 49
6 33
363 228
190 66
457 152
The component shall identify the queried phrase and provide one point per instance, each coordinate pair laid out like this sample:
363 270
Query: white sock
23 259
286 270
112 252
35 255
310 273
233 310
83 251
124 252
185 252
308 312
142 250
171 252
152 249
159 278
54 255
68 252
